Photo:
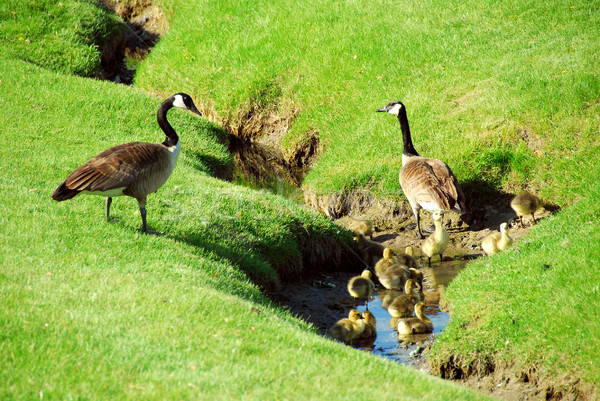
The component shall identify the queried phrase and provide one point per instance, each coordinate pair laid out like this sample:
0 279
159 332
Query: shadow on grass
484 198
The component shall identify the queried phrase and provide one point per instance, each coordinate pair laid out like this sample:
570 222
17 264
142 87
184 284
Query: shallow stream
408 349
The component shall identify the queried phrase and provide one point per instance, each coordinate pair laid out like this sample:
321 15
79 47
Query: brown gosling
349 328
394 277
525 204
497 241
361 286
371 251
437 242
415 325
364 227
427 183
403 305
388 296
370 331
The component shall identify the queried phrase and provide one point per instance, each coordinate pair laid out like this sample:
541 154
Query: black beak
193 109
382 110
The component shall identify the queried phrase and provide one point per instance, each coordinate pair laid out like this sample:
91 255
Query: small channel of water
408 349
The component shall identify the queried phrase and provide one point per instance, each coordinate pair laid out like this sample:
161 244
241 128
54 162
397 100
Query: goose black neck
171 136
409 149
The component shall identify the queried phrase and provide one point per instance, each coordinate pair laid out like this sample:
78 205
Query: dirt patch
144 25
322 299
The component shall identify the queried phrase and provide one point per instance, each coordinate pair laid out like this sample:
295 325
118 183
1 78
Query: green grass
535 307
97 310
477 77
64 36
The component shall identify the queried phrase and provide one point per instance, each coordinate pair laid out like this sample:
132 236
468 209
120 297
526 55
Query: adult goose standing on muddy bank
427 183
133 169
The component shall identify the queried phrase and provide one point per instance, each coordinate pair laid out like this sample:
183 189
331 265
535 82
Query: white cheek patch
396 109
178 102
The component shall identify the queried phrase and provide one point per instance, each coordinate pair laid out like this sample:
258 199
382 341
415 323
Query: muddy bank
323 299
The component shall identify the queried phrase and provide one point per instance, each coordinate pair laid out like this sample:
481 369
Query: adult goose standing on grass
427 183
133 169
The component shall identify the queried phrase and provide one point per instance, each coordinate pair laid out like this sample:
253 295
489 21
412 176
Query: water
407 349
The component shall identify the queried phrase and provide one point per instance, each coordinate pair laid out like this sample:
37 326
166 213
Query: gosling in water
415 325
497 241
403 305
437 242
361 286
370 331
349 328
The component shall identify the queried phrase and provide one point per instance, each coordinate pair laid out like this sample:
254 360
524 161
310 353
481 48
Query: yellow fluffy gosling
525 204
437 242
403 305
416 325
361 287
497 241
349 328
370 331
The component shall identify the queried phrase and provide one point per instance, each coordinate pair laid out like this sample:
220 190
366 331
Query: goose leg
429 261
419 233
108 202
142 204
533 215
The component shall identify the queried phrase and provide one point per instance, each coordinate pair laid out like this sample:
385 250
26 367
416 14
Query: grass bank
506 93
95 310
532 308
500 92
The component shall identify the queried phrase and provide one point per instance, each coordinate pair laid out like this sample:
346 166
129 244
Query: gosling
497 241
370 331
361 287
415 325
370 251
437 242
364 227
403 305
525 204
348 329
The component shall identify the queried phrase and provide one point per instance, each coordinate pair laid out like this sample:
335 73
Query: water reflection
404 349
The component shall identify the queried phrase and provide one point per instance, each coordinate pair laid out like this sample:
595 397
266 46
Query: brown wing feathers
114 168
430 180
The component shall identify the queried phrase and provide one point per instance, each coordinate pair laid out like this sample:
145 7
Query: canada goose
370 251
370 331
361 286
427 183
416 325
525 204
349 328
436 243
403 305
497 241
364 227
133 169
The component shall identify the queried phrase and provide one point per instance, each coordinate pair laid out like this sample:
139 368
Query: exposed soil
323 299
256 132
